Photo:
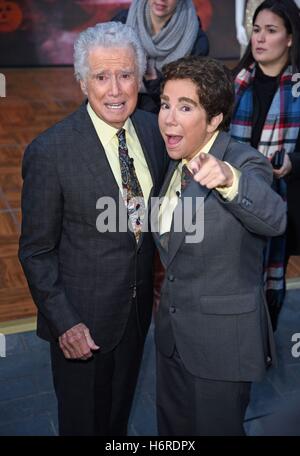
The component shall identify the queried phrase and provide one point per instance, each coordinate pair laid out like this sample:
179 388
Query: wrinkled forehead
112 59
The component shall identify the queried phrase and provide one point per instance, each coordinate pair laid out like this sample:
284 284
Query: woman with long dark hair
267 116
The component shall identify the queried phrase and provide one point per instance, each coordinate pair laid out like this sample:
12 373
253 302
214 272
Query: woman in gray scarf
168 30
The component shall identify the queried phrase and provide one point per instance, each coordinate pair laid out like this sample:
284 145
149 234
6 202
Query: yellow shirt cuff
229 193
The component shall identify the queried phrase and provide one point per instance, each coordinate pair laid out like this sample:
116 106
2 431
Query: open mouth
173 140
115 106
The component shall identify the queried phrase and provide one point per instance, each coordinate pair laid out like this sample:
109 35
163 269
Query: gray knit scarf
175 40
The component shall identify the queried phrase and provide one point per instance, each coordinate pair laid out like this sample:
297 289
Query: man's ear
83 87
214 123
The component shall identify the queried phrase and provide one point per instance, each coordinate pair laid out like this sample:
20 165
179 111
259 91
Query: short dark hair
213 81
289 13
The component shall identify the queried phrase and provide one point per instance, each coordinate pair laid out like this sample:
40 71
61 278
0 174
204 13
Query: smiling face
112 84
270 42
183 121
162 9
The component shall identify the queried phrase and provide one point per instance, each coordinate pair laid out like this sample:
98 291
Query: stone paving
28 403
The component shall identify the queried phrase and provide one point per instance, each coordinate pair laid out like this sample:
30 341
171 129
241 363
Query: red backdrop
42 32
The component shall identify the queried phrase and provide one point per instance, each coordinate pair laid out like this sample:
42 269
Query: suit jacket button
172 309
269 360
171 278
246 202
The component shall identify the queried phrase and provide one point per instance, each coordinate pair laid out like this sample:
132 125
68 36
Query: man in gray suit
87 260
213 330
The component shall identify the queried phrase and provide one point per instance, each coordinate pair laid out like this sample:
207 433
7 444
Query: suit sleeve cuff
229 193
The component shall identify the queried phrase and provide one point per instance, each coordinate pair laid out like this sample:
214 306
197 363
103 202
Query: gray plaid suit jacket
212 303
75 273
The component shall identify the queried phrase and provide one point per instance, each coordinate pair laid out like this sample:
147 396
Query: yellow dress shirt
173 193
109 140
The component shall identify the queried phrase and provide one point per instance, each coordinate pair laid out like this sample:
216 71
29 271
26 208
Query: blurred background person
168 30
267 116
244 11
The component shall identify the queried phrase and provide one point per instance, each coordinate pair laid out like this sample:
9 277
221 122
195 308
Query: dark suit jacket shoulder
70 132
63 131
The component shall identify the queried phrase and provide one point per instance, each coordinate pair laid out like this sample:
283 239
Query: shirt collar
105 131
205 149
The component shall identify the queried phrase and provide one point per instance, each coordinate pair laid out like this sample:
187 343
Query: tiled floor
28 404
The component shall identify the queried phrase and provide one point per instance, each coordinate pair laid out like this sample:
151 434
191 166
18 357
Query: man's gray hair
107 34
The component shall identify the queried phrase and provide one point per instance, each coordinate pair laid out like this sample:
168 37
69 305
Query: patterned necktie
132 192
186 177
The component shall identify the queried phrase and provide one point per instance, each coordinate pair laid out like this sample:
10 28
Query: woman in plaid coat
267 116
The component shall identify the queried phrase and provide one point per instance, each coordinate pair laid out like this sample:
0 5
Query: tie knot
122 142
121 135
186 177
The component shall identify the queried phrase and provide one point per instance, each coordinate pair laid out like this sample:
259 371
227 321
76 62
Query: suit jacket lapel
171 169
190 194
156 204
192 190
220 145
145 140
189 197
92 151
